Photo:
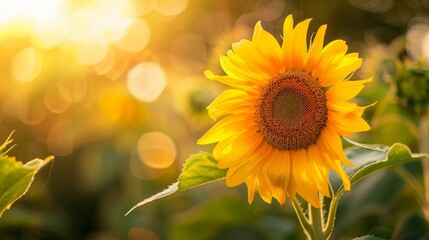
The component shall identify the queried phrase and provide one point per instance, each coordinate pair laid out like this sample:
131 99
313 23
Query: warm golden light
91 53
156 150
11 11
54 102
26 65
146 81
136 37
171 8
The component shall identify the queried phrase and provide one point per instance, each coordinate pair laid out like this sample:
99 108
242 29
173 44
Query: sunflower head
282 119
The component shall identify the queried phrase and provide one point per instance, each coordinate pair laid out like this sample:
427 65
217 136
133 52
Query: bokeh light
417 40
171 8
11 11
136 37
26 64
156 150
144 7
146 81
54 101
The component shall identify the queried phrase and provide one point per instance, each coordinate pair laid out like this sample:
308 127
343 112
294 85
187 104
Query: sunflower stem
314 223
329 227
316 220
303 220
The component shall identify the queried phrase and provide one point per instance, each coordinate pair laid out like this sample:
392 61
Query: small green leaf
15 178
198 170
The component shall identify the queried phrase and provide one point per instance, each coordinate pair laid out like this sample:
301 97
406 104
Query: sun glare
51 23
17 10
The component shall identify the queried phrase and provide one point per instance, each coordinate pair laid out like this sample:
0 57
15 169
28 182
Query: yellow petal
256 75
345 90
349 63
305 186
287 45
341 107
291 188
299 50
334 50
237 174
334 165
225 128
330 59
268 46
343 175
360 109
245 77
252 185
230 101
277 170
315 51
251 54
320 175
237 149
264 190
332 142
227 80
348 124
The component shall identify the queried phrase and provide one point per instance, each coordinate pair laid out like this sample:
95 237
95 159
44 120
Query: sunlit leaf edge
397 154
13 192
374 147
369 168
199 169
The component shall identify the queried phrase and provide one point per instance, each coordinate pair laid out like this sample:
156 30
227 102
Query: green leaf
368 159
15 177
371 159
198 170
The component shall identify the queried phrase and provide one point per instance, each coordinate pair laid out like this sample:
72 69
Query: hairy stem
305 224
313 224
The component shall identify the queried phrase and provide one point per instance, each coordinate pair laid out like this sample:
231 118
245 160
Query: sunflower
285 112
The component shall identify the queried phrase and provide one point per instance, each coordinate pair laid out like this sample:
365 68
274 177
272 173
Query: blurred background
115 90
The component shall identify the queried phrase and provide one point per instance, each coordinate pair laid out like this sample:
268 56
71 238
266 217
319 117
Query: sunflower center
291 111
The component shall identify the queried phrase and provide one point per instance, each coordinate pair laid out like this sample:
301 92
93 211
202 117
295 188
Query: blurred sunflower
283 119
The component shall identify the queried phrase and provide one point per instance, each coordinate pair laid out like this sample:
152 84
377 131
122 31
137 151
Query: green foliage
413 89
369 159
202 168
15 177
199 169
215 215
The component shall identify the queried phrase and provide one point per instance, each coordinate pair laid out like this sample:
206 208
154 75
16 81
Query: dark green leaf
198 170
